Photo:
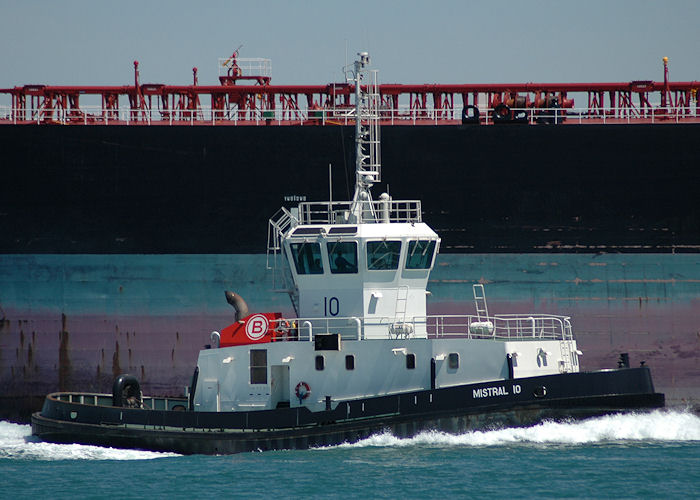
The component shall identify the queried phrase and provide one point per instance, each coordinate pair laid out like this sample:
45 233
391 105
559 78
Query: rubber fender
520 116
470 115
502 114
126 392
550 115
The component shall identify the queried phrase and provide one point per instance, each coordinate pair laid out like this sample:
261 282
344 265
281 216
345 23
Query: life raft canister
302 390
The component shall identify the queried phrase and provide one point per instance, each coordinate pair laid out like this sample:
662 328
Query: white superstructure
357 274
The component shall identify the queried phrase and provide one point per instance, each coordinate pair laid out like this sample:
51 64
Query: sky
74 42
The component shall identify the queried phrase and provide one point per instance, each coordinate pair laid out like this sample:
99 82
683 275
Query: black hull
569 188
453 409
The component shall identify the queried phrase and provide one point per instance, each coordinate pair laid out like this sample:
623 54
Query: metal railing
305 329
498 327
502 326
403 115
340 212
148 402
84 398
246 66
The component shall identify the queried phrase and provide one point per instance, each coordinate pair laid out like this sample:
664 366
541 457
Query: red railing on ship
156 104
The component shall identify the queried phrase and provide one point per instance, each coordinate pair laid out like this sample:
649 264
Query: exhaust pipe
238 304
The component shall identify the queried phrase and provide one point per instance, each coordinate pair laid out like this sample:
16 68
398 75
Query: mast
367 141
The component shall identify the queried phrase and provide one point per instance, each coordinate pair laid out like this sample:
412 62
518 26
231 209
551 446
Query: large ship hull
204 189
118 241
75 322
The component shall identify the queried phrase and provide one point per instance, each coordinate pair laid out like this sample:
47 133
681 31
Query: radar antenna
367 142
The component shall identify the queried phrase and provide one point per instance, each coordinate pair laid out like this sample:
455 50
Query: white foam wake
16 442
657 426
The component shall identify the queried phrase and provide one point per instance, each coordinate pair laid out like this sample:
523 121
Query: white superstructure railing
247 66
403 115
339 212
498 327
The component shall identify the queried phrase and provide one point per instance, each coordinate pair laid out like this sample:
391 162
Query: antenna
330 189
233 56
367 152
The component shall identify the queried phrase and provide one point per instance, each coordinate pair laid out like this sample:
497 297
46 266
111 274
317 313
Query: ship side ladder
565 363
399 328
480 301
401 302
279 226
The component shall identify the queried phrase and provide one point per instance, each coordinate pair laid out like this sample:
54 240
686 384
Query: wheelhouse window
342 256
420 254
383 254
258 366
307 258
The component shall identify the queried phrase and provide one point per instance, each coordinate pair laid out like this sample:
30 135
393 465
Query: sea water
653 455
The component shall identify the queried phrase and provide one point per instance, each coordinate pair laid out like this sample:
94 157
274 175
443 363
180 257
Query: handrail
101 399
500 326
203 115
307 324
339 212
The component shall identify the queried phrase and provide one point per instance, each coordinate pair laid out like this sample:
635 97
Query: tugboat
362 355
